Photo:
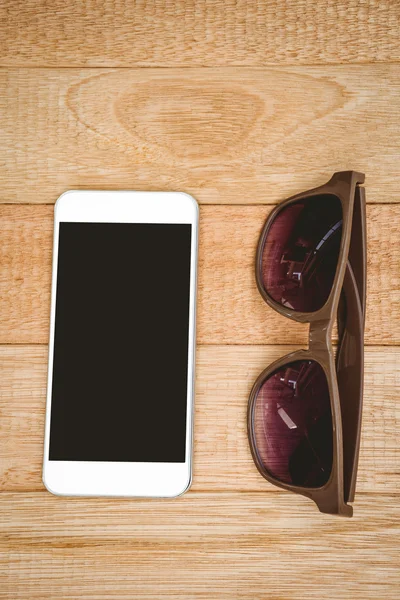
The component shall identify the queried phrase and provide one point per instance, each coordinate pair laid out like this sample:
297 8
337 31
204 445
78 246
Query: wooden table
240 103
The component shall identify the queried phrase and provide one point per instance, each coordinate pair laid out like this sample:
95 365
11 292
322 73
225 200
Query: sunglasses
304 415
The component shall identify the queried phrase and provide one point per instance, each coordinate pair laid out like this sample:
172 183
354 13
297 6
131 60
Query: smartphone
120 389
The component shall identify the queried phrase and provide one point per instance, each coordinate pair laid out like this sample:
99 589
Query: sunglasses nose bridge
320 334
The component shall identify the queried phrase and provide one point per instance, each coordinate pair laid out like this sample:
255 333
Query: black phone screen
120 363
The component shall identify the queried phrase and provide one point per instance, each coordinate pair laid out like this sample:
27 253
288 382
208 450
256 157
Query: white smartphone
122 344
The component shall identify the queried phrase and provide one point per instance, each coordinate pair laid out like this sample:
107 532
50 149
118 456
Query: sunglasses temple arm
358 244
350 376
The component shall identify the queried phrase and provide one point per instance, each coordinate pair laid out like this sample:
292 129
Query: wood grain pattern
230 309
197 32
222 546
224 135
292 91
225 375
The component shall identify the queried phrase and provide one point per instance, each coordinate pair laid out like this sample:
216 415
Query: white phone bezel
84 478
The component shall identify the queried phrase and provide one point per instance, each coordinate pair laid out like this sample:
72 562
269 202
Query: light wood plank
222 457
225 135
230 308
197 32
199 546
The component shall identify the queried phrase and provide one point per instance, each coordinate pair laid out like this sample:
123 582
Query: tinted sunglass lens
301 250
292 425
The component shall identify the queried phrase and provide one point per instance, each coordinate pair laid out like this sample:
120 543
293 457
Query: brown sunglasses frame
333 497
